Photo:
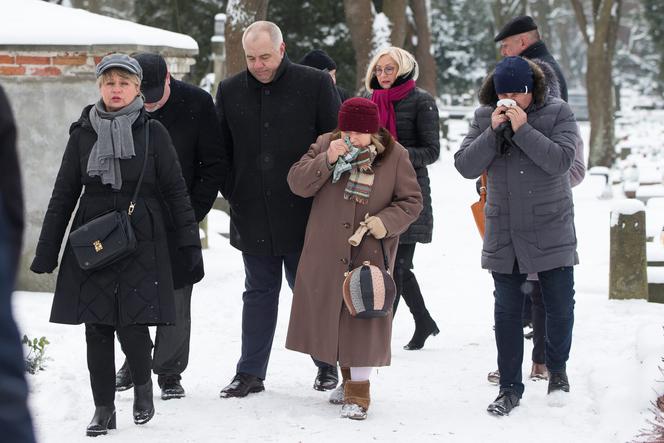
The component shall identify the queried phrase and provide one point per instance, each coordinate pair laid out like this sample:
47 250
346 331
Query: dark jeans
538 318
406 283
260 307
15 421
171 349
136 345
557 287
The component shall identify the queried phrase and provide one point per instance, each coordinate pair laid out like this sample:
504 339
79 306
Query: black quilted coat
139 288
417 131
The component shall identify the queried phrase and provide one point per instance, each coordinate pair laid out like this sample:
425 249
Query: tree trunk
239 15
600 106
395 10
427 80
359 18
599 75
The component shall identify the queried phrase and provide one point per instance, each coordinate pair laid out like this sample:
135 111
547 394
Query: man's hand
498 116
517 117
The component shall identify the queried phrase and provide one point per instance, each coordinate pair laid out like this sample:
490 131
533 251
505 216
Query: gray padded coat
529 211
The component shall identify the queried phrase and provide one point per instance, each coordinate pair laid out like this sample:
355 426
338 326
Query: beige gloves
375 226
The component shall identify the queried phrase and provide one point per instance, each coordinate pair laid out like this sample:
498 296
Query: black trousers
406 283
137 346
171 347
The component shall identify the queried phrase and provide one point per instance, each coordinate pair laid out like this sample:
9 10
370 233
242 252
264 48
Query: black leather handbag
109 237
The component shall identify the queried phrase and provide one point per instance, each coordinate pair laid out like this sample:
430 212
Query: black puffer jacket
418 132
139 288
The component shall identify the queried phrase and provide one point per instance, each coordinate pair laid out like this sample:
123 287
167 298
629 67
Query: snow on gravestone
627 262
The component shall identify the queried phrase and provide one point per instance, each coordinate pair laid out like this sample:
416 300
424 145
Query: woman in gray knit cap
104 158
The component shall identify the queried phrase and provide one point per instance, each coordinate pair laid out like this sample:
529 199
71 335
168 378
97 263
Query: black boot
102 421
504 403
170 386
558 381
123 378
143 403
423 329
327 378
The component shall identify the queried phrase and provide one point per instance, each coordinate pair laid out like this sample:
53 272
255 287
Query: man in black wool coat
270 114
189 115
520 37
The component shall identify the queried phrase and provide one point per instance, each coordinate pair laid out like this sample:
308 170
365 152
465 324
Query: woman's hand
498 116
375 226
337 148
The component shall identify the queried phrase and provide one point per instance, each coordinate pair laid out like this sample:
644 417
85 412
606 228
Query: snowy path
437 394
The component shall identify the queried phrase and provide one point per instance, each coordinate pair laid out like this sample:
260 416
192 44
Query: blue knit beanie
513 74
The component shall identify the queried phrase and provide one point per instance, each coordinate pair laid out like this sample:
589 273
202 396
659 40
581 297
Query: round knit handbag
368 290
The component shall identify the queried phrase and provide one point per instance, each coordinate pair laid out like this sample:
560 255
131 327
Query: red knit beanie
358 114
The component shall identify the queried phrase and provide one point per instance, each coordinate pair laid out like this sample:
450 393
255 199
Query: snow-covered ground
437 394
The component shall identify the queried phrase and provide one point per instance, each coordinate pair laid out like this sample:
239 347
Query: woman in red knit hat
358 176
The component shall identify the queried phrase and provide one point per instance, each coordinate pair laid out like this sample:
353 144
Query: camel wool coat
320 324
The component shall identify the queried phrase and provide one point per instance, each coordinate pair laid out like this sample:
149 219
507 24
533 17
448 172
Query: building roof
39 23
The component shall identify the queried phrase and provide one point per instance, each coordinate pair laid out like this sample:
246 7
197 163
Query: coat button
520 172
344 261
266 124
347 225
266 91
318 173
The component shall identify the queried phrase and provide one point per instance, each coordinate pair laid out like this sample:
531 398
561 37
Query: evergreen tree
654 14
193 18
462 38
316 24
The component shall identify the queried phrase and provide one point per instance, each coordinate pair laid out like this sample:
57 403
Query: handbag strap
134 197
385 260
483 183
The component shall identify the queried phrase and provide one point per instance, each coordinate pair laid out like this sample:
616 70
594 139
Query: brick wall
49 64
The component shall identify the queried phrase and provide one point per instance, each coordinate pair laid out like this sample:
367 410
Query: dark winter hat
358 114
318 59
154 75
368 291
513 74
517 25
121 61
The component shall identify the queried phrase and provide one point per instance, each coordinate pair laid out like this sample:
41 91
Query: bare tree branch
581 19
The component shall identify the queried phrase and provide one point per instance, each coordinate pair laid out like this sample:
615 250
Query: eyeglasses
389 70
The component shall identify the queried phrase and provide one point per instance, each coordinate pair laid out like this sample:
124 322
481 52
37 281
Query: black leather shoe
123 378
326 379
170 386
143 403
504 403
102 421
242 385
558 382
423 329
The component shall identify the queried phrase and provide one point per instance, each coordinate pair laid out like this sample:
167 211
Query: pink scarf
385 99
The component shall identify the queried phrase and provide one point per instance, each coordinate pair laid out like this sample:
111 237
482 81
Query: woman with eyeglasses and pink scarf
410 114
